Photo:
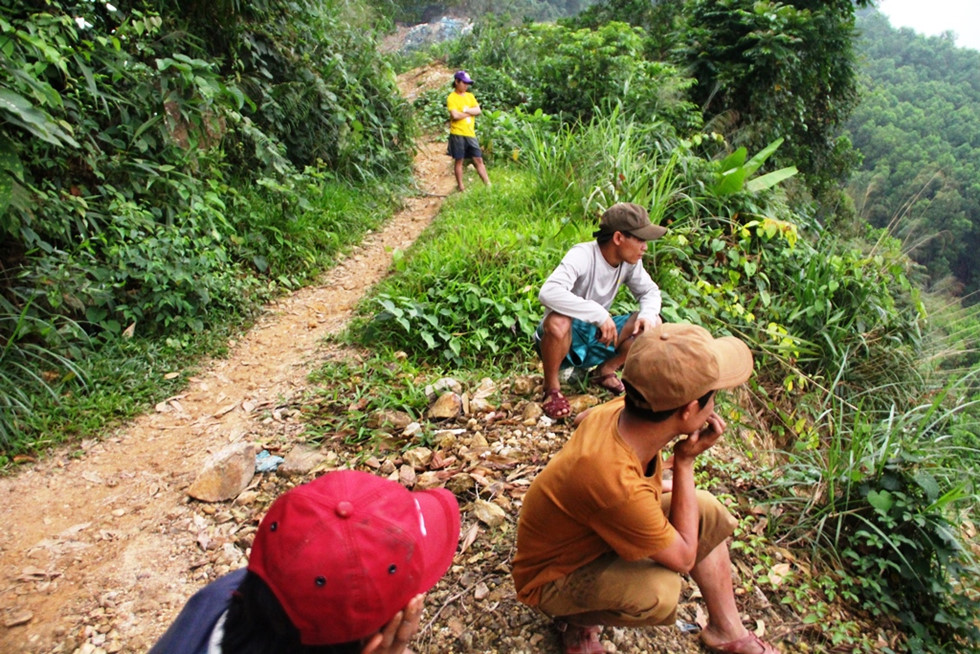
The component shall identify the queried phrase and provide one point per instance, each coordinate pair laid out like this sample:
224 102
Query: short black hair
257 624
602 236
634 397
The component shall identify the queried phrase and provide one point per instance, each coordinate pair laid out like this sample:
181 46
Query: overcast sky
933 17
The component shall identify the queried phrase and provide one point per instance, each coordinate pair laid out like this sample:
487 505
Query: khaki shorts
633 593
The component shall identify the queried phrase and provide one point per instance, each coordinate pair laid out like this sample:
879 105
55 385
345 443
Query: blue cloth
586 351
190 632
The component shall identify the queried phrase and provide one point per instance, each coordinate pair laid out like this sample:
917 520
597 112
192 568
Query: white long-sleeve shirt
584 285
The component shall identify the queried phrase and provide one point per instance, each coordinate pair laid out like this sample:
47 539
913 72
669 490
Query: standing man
339 565
602 539
463 110
577 329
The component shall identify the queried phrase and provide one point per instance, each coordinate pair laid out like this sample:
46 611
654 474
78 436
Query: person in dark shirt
339 565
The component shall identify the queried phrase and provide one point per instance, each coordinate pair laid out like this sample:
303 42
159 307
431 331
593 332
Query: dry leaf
129 331
778 574
226 409
456 626
700 616
489 513
470 536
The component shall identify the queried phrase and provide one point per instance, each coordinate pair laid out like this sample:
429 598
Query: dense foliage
164 166
837 323
918 127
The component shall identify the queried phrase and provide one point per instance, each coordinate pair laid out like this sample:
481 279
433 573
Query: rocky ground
101 544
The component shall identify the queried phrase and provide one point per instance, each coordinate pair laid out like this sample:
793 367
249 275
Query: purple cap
461 76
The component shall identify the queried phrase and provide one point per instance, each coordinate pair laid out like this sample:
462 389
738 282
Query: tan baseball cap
673 364
632 218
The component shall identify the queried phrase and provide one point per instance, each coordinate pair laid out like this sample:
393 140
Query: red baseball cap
346 552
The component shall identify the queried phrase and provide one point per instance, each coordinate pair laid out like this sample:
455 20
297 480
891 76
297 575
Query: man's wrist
682 461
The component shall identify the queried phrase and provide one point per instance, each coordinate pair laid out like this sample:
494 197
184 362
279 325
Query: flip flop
610 382
747 644
555 405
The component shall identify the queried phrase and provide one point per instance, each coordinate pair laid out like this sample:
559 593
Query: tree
771 69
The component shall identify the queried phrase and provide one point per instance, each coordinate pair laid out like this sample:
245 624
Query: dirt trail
97 549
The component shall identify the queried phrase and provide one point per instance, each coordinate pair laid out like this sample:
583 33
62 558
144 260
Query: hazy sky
933 17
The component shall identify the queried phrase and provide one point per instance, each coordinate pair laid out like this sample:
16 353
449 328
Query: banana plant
735 173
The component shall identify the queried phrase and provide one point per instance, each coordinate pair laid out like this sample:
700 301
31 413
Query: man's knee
556 326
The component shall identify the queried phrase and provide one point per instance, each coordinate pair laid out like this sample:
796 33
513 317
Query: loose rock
449 405
301 460
226 474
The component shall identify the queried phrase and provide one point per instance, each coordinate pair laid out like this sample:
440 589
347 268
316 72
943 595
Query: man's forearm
683 502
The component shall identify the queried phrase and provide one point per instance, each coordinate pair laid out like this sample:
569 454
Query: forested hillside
918 129
166 167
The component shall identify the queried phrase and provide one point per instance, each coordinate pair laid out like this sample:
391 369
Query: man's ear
689 410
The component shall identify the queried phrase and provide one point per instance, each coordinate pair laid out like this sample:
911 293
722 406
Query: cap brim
735 364
650 232
441 514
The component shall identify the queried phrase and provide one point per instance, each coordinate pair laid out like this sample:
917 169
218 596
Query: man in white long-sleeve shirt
577 329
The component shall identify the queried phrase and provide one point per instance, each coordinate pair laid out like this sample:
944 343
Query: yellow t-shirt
592 498
466 126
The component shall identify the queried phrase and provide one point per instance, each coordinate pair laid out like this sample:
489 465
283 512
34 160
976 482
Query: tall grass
34 361
885 498
584 168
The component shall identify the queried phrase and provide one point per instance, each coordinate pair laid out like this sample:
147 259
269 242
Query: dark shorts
464 147
586 351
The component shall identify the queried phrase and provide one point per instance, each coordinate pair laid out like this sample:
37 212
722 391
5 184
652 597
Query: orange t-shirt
593 497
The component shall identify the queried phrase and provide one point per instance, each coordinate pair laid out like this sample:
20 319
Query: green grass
116 381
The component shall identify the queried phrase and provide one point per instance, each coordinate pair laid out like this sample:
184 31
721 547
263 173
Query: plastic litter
266 462
687 627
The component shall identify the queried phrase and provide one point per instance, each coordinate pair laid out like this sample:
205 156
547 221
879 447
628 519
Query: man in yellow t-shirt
463 110
602 538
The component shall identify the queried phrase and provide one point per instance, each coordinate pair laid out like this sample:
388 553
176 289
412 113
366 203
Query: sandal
555 405
610 382
747 644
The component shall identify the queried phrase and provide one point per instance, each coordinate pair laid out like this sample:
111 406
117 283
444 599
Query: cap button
344 509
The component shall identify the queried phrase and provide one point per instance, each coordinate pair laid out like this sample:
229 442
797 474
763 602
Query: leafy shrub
131 134
575 73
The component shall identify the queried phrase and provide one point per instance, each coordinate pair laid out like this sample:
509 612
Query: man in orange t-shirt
602 539
463 110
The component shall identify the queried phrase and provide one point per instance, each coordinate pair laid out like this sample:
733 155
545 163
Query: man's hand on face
701 439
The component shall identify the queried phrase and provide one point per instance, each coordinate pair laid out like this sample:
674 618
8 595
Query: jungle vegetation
165 167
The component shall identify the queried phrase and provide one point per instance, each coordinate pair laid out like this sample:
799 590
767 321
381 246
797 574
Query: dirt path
94 547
